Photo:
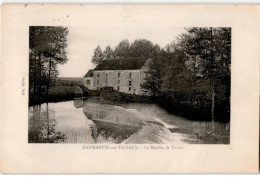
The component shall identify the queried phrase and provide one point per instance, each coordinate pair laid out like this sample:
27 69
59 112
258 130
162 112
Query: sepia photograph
143 86
127 88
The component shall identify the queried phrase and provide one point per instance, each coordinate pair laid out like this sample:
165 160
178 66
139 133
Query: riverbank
177 107
90 121
67 91
182 129
56 94
194 111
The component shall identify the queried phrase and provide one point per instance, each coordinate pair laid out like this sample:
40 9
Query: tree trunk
212 78
213 105
194 81
49 77
39 75
35 76
48 122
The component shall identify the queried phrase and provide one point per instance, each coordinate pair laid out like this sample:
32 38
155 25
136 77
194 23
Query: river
89 121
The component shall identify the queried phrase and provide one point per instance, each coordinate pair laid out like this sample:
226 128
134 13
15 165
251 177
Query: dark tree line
139 48
190 76
47 49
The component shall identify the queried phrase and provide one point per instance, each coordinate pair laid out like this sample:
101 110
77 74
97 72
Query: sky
83 40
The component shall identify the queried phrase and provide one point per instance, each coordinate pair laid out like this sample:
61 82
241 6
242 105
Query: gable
89 73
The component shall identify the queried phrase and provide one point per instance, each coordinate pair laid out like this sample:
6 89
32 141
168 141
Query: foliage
122 49
140 48
42 126
98 56
108 53
47 49
191 76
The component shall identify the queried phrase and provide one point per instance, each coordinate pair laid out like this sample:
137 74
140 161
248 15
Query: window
106 78
118 82
98 82
130 83
130 75
118 88
129 89
118 74
88 82
97 75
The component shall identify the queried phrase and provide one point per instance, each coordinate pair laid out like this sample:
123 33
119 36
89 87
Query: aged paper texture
133 137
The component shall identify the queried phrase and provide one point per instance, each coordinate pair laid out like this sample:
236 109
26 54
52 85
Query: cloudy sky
83 40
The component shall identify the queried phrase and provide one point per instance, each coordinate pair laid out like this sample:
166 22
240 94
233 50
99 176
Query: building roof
89 73
122 64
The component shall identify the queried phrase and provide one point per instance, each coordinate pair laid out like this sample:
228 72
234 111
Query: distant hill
70 78
69 81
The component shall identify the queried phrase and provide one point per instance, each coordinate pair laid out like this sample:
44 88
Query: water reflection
111 122
89 121
42 125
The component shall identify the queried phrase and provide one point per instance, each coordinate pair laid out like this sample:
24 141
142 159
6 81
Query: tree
37 39
153 81
156 49
55 51
192 74
141 48
47 49
214 52
154 76
108 53
122 49
98 56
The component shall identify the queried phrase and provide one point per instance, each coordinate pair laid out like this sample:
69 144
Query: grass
63 90
202 132
56 94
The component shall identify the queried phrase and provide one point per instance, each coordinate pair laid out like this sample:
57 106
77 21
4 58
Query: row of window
129 82
118 88
118 82
118 74
98 77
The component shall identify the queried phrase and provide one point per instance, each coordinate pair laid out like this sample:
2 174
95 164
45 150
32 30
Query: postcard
130 88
